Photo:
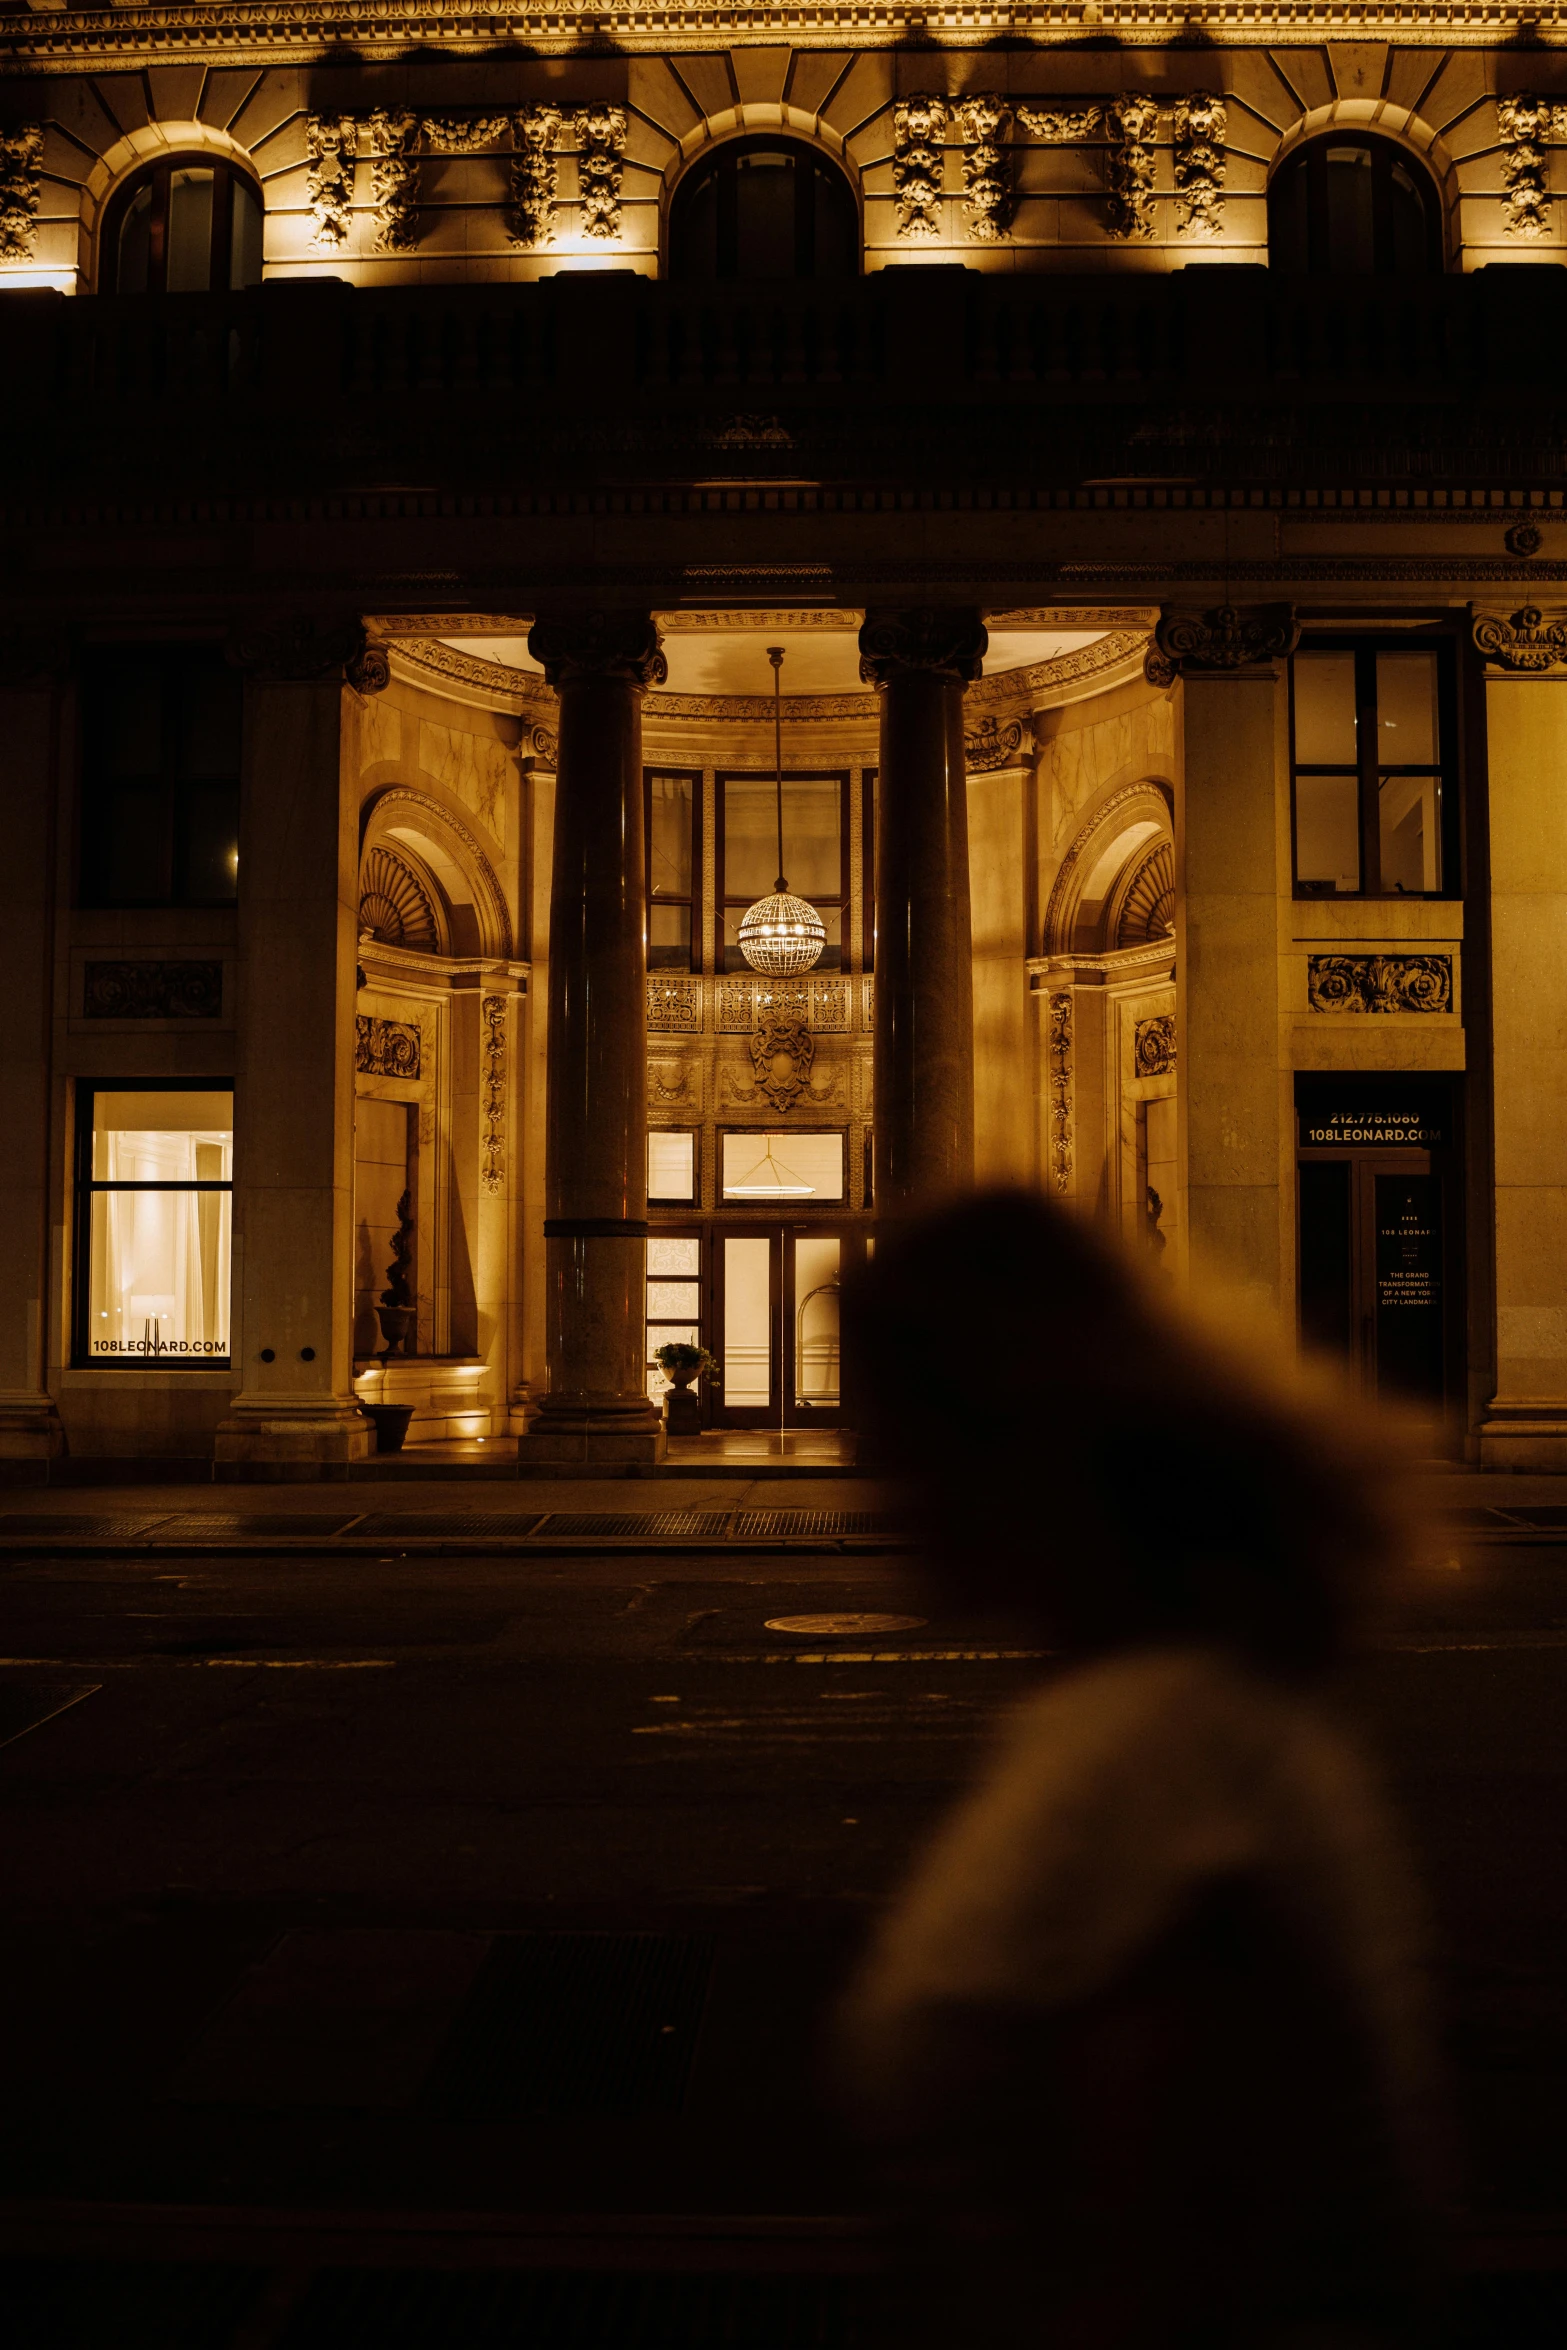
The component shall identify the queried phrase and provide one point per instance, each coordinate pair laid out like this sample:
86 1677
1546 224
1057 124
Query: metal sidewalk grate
134 2304
435 1525
660 1522
812 1522
575 2023
555 2310
100 1528
241 1525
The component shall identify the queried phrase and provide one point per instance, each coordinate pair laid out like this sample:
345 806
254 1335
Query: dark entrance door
1379 1232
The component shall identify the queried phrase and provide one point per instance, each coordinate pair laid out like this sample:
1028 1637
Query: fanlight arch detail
1117 876
396 903
438 852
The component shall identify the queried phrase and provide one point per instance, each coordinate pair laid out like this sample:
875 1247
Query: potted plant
681 1363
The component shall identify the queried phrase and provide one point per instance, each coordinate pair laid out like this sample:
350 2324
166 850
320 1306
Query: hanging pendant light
782 936
769 1178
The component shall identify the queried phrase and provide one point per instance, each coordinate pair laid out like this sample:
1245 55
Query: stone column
597 1413
30 712
1232 875
294 1414
1524 1425
919 663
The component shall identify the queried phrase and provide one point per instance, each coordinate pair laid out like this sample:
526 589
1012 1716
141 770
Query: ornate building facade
1139 432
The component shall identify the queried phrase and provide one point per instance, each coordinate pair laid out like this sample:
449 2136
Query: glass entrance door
778 1327
1373 1262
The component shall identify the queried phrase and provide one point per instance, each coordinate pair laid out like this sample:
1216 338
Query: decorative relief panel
153 991
1153 1046
829 1005
492 1156
1060 126
530 214
1199 124
394 903
674 1004
20 153
918 124
1132 123
331 141
1060 1061
1380 983
386 1048
601 158
675 1085
1526 124
982 123
394 179
783 1052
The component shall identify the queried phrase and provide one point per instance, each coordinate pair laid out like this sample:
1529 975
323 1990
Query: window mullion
1366 747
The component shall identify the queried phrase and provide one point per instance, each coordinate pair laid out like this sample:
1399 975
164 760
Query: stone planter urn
397 1324
682 1410
391 1423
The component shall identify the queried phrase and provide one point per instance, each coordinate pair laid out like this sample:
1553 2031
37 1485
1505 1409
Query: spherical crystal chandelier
781 936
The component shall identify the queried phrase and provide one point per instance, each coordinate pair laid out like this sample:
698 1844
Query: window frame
84 1187
1369 770
769 1213
692 1199
226 172
721 166
95 787
1309 160
692 902
870 778
722 901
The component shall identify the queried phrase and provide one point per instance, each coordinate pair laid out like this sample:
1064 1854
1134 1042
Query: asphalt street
290 1836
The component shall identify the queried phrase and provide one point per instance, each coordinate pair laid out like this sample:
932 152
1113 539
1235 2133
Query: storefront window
160 779
674 1300
154 1219
1373 781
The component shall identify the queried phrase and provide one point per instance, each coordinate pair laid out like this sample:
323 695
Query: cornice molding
73 40
422 660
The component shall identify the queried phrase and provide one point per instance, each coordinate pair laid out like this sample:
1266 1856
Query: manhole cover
830 1627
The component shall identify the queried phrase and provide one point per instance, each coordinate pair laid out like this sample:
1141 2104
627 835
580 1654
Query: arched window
1353 202
764 208
189 225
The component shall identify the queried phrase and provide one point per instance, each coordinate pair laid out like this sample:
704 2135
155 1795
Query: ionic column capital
302 650
598 644
949 639
1217 642
1526 643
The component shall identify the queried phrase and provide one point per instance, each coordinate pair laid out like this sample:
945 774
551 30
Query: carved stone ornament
331 142
21 151
539 747
599 644
601 158
464 134
982 124
535 175
1059 126
1153 1046
1526 123
1158 668
303 649
1527 641
942 637
1060 1075
674 1006
394 179
386 1048
1523 538
1231 636
918 125
990 744
153 991
1379 983
782 1053
394 905
1132 124
492 1159
1199 125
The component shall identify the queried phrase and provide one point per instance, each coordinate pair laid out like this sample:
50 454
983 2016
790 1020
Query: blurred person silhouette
1141 2046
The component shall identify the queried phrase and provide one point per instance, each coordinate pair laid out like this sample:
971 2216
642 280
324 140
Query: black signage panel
1387 1113
1409 1283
